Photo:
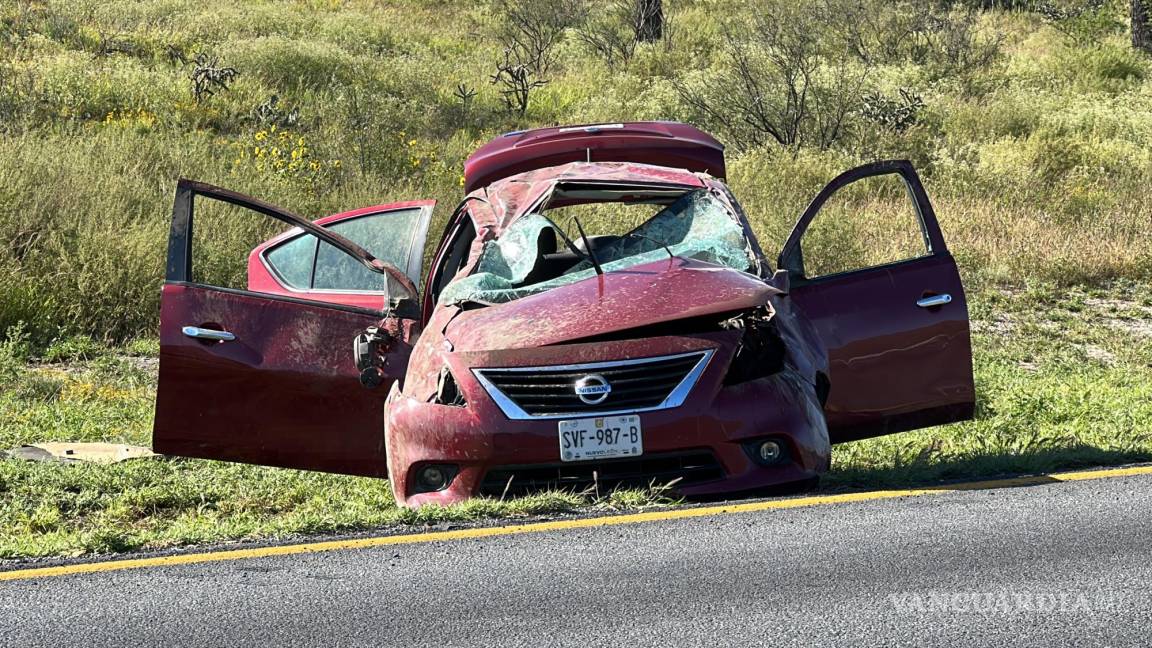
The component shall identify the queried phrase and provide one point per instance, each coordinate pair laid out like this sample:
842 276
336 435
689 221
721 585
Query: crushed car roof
501 203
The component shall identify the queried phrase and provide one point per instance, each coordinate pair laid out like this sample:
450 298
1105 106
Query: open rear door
900 356
296 263
266 378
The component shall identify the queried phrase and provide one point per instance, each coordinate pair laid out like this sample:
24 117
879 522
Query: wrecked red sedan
551 343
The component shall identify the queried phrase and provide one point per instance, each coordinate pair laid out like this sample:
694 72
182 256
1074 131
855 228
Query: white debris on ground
101 453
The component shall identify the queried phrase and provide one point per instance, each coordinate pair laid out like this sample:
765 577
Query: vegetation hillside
1032 125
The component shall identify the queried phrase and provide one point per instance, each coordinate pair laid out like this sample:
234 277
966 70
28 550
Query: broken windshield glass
525 260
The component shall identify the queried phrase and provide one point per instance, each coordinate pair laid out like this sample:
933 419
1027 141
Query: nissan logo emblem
592 389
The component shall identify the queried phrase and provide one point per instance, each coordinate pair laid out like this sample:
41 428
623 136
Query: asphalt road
1061 564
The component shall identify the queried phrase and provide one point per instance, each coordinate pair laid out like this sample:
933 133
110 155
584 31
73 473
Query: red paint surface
284 393
893 365
666 144
478 438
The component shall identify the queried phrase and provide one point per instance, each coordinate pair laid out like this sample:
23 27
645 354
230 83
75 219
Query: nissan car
597 313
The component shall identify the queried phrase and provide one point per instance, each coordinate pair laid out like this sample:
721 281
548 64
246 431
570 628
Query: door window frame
459 232
415 264
792 256
178 269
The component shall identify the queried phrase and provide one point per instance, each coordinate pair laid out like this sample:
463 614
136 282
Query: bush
530 31
786 79
73 348
14 351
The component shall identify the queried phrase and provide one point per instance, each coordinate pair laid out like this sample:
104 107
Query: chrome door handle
208 334
934 300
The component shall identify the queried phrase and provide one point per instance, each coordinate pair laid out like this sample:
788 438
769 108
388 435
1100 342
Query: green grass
1038 160
1064 378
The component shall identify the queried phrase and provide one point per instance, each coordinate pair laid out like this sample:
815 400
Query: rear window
305 263
292 261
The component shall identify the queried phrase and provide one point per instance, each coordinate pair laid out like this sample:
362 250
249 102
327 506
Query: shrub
609 32
209 76
893 114
1085 23
786 79
1111 69
531 30
14 351
947 42
516 81
73 348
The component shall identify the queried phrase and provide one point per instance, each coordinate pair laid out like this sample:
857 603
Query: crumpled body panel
640 296
717 418
680 287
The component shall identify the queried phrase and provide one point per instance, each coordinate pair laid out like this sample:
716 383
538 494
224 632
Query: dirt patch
1000 325
146 364
1120 305
1137 327
1100 355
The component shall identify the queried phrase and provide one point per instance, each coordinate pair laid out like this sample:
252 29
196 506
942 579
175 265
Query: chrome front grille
637 385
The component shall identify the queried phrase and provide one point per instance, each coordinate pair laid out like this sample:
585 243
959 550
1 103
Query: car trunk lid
667 144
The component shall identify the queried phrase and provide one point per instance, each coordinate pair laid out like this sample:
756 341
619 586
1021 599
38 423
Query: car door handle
208 334
934 300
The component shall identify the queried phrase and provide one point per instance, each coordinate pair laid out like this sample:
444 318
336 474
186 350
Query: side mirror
780 281
368 349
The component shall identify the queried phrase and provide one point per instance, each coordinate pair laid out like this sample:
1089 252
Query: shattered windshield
534 254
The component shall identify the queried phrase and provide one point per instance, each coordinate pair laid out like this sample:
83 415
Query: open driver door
271 379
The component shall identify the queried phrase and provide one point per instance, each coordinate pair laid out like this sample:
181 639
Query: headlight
761 350
447 391
434 477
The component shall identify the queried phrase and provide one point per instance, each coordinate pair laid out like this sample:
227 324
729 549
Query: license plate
604 437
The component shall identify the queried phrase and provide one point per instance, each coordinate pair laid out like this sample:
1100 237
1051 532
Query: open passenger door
270 379
900 355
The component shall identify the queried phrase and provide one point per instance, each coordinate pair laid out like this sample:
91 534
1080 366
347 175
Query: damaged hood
635 297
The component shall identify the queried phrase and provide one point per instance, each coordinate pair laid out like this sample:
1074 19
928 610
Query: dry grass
1039 163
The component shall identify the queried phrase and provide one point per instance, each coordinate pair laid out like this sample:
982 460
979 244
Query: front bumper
711 429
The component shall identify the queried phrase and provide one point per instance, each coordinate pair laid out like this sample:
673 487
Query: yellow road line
557 525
